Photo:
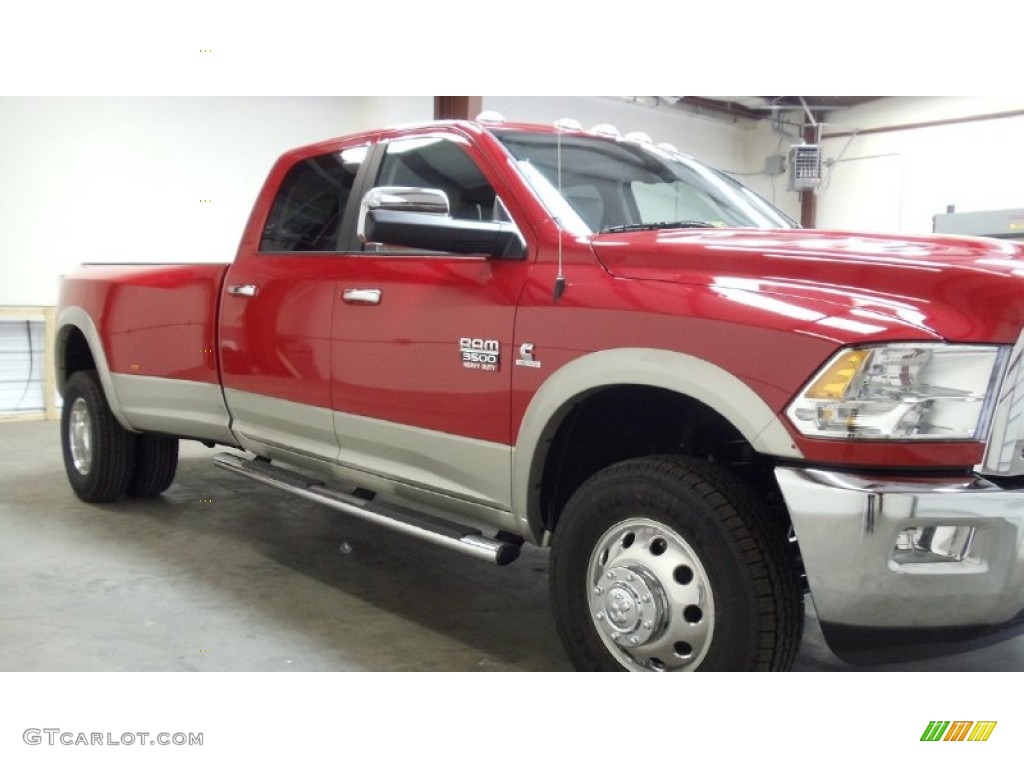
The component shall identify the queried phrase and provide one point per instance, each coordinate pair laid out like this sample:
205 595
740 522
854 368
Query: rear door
279 300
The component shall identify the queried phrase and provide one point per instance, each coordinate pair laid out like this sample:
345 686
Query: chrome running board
454 536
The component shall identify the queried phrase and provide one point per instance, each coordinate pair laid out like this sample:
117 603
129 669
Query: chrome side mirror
401 199
420 218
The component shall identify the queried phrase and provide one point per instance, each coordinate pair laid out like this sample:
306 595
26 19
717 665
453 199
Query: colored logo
959 730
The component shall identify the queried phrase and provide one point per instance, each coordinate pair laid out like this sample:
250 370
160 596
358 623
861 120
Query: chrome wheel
80 436
650 597
99 454
669 563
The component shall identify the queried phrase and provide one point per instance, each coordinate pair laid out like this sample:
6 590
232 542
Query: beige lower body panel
303 429
467 478
186 408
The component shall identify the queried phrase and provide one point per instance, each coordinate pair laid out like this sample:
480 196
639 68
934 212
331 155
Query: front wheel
667 564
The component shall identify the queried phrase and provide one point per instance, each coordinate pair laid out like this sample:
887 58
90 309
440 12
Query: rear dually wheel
99 454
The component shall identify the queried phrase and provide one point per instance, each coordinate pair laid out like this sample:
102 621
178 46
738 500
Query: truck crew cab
486 333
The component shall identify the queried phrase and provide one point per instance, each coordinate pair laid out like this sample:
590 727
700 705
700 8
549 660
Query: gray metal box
804 167
1005 224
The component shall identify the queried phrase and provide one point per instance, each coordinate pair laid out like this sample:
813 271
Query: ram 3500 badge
480 354
708 412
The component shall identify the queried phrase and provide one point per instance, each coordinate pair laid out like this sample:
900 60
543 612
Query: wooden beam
809 197
457 107
50 391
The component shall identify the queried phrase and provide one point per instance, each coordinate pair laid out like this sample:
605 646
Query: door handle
361 296
248 291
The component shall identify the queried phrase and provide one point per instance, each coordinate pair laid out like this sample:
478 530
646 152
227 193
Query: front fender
698 379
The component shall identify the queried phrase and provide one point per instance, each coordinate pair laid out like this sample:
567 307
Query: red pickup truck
486 333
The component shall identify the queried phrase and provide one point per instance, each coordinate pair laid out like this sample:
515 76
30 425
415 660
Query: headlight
901 392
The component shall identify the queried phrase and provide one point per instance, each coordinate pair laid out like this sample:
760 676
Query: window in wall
310 205
22 366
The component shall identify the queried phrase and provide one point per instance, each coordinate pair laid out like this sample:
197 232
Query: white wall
896 181
121 179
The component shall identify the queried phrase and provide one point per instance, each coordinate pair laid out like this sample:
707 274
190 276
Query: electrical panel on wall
804 167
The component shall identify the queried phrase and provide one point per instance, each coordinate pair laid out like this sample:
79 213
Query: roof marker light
568 124
606 129
490 116
640 137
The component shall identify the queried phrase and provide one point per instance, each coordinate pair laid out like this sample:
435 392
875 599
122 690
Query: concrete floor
221 575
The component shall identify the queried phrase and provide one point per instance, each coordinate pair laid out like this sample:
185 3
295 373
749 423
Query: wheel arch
79 347
684 383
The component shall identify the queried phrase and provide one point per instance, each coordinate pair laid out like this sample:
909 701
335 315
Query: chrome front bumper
904 563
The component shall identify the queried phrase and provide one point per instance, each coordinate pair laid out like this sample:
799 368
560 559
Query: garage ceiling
765 107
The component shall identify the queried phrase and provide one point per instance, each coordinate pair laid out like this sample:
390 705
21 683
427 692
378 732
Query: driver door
421 342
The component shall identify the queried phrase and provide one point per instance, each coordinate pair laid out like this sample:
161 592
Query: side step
461 538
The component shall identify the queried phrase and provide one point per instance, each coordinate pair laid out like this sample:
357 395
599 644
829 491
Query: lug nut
634 640
598 591
648 624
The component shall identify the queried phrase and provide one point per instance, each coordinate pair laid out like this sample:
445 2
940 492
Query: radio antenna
560 279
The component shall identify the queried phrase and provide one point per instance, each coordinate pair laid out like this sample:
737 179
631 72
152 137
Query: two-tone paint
352 364
266 353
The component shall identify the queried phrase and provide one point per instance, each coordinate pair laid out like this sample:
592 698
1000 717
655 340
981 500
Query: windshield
610 185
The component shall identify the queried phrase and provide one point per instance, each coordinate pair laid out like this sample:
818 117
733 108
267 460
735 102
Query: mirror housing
417 217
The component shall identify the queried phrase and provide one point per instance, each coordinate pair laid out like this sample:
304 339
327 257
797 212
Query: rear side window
310 205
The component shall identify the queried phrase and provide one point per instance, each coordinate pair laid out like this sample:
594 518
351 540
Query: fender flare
77 318
698 379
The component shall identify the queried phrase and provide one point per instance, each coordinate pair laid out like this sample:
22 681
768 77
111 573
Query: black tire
99 454
156 462
667 563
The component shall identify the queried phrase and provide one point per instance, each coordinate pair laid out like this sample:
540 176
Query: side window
310 205
439 163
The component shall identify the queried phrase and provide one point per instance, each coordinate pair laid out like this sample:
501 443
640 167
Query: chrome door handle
248 291
361 296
